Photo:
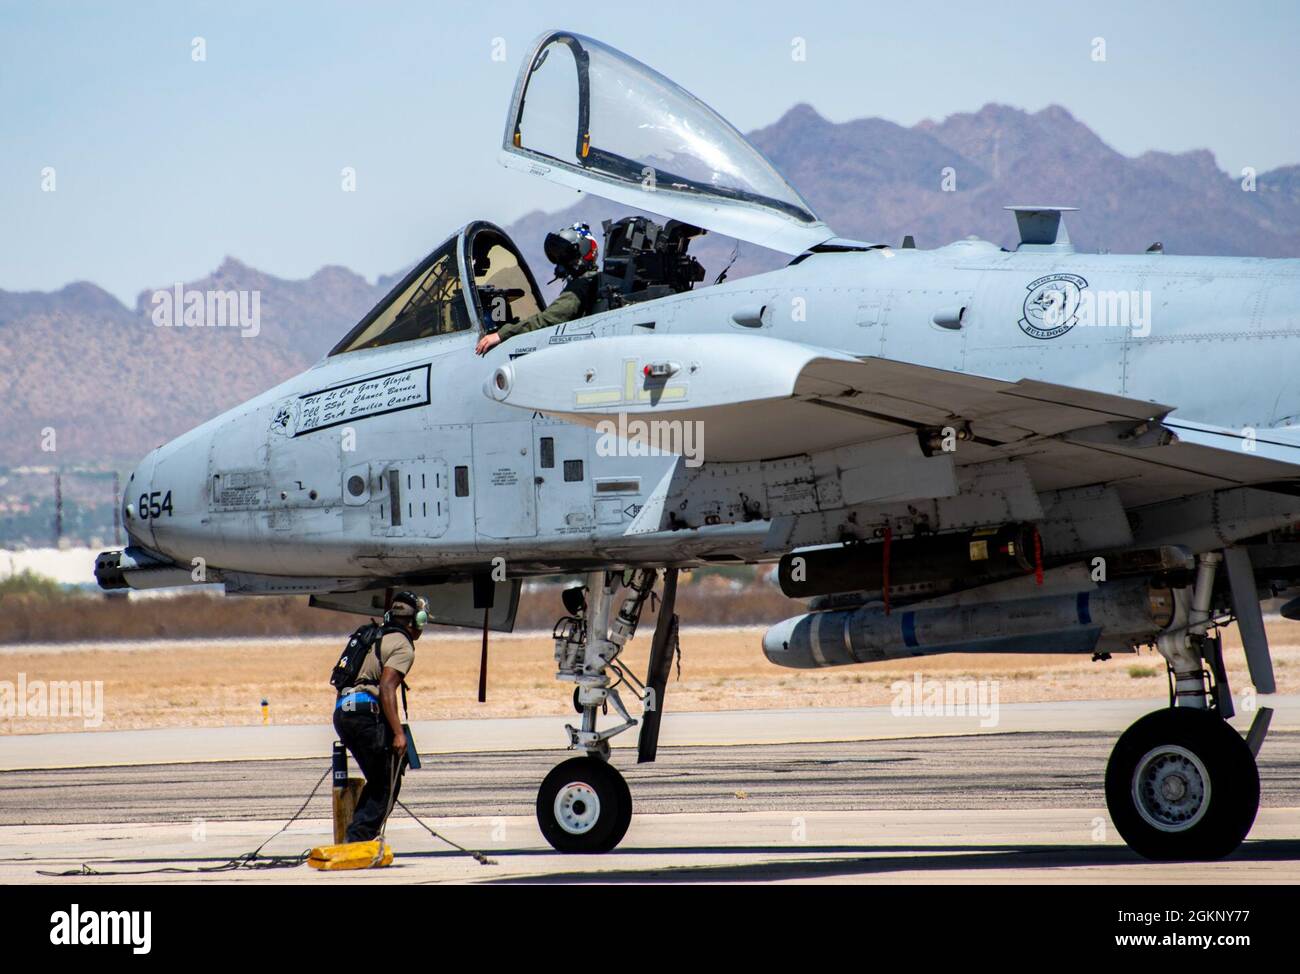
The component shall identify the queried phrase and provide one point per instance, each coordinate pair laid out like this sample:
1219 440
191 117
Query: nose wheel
584 805
1182 784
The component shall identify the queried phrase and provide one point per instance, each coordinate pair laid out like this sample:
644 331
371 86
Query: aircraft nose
171 499
135 501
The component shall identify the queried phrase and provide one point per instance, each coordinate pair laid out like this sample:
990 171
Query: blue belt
351 700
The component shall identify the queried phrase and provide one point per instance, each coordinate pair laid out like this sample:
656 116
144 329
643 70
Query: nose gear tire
584 805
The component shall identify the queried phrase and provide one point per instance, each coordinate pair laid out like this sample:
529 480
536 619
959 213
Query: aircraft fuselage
1216 336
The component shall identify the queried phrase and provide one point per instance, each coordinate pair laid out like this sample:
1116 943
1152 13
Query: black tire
1182 784
625 812
570 821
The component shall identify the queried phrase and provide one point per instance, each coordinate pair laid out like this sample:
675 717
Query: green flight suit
576 300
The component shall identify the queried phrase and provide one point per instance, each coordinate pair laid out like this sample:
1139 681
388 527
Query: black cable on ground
249 860
255 859
477 856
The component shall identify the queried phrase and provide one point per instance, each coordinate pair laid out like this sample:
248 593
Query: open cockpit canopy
591 118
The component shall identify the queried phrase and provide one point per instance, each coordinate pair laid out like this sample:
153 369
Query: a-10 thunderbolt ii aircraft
951 450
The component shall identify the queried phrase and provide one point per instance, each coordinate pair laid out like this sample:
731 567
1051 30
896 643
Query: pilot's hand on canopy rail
487 343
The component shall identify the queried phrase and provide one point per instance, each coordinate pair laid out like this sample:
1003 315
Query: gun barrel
137 569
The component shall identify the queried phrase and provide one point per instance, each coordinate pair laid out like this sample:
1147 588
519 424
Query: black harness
347 670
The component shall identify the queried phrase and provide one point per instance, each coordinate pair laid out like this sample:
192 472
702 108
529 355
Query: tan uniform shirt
395 650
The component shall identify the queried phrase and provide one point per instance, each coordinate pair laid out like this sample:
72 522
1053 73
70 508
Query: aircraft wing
760 398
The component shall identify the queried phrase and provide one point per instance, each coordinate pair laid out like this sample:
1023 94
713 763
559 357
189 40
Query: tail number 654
151 506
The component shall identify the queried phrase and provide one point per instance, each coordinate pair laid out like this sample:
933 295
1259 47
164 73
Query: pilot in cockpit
574 252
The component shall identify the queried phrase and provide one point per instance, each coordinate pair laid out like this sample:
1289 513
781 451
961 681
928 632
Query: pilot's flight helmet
573 249
408 609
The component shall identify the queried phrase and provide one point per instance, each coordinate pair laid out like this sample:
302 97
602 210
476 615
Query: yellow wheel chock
351 855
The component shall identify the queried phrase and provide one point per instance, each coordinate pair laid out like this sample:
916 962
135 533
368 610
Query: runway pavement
724 727
990 808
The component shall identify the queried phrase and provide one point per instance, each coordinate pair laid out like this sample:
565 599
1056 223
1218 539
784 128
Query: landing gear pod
1182 784
960 555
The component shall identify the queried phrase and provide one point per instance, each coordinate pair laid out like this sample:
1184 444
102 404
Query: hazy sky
164 165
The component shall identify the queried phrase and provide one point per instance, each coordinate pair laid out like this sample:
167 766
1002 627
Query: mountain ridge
67 352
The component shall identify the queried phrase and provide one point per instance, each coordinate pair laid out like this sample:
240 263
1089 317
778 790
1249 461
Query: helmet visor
559 250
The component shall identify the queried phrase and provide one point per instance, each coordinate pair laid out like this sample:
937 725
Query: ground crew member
573 250
367 718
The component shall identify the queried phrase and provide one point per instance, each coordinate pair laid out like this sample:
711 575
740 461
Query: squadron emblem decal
284 420
1052 305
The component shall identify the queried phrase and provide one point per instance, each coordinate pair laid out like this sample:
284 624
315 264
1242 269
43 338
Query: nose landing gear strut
584 804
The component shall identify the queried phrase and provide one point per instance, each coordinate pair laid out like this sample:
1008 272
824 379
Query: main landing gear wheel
1182 784
584 805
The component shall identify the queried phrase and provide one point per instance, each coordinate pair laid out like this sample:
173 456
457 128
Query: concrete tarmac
1009 807
178 745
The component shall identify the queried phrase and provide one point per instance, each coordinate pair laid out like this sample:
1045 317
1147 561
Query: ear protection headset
407 609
